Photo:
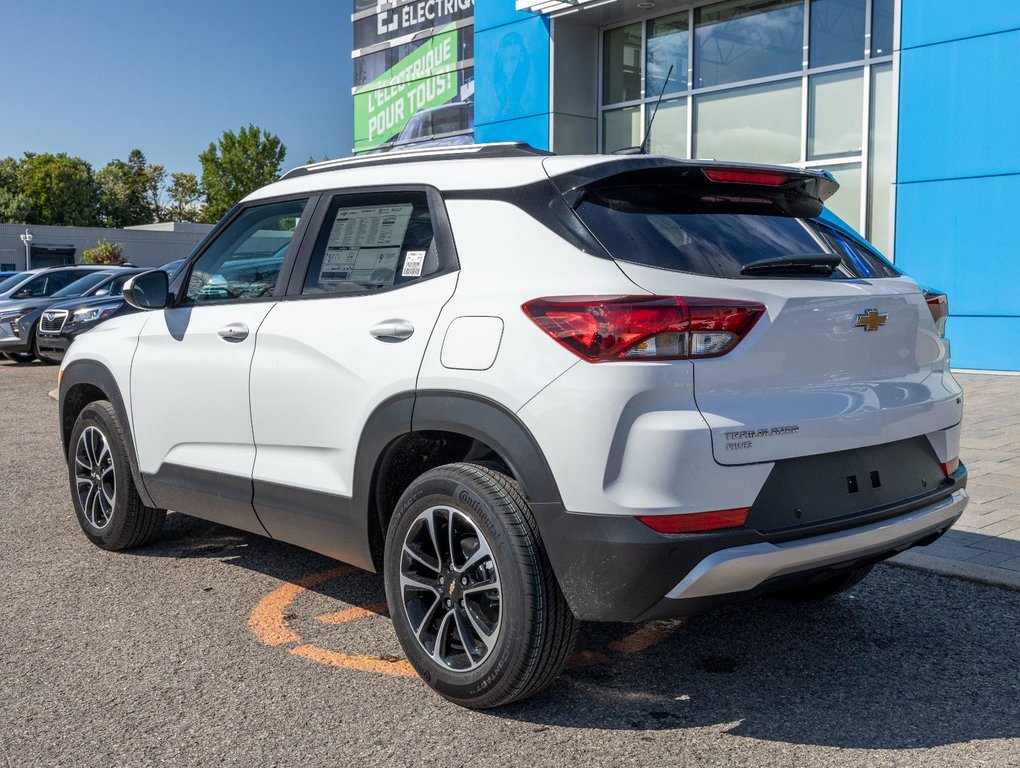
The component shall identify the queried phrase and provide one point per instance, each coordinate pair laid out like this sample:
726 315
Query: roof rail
459 152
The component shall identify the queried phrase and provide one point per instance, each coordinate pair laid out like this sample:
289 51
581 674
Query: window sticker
413 262
364 245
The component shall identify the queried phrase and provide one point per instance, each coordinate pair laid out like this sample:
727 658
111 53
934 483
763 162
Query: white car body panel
318 373
182 359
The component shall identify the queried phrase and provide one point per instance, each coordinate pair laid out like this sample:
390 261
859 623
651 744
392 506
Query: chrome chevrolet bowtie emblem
870 320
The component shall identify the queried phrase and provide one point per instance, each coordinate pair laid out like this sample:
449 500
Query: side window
371 242
50 282
244 260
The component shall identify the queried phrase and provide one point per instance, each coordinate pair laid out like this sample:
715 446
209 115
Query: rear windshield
682 229
81 285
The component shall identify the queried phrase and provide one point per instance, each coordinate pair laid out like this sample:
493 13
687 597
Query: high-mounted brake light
747 176
696 522
938 305
644 328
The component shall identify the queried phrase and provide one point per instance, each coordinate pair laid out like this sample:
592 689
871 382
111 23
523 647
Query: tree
15 207
105 252
184 196
131 192
237 166
60 189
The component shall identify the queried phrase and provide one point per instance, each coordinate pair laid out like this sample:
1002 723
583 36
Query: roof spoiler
799 192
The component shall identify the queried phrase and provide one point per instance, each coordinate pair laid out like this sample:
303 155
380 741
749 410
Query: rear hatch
845 354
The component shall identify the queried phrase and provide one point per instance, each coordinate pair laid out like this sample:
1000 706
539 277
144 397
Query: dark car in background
63 321
23 302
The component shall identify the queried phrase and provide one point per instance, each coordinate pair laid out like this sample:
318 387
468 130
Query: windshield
81 285
12 281
116 286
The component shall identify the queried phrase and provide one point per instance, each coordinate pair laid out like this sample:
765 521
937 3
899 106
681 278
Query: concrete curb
54 394
959 569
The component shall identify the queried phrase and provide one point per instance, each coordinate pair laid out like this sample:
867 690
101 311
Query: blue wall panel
934 21
960 108
511 75
985 343
963 237
958 174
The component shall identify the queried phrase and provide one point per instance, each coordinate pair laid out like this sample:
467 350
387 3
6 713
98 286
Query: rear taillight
951 466
614 328
938 304
696 522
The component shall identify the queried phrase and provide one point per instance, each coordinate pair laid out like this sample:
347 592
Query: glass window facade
771 81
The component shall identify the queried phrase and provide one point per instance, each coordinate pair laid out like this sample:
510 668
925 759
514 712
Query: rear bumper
743 569
617 569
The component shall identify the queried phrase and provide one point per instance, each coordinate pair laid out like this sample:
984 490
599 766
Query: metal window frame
690 95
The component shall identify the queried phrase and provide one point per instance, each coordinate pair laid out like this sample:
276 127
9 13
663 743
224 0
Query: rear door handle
393 330
234 332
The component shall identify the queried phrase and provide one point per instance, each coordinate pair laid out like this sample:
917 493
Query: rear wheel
106 502
474 601
820 590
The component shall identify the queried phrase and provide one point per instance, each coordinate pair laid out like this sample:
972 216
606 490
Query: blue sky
97 79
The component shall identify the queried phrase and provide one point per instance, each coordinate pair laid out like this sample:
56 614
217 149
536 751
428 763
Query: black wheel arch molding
83 382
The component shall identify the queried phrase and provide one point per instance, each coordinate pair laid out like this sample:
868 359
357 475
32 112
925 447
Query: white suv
531 390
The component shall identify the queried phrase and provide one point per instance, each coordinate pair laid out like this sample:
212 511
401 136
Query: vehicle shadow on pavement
904 660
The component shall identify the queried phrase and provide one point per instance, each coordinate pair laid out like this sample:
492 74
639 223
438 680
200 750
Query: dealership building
913 105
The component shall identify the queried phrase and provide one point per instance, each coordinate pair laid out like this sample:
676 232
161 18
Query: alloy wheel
95 477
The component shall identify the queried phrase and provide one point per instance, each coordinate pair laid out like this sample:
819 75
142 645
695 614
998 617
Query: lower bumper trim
742 569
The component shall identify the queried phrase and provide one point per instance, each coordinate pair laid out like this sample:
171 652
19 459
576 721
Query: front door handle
393 330
234 332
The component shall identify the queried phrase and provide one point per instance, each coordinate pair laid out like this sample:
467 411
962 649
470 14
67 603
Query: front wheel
474 602
20 357
106 502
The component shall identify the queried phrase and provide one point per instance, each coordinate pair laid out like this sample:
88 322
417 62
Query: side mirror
149 290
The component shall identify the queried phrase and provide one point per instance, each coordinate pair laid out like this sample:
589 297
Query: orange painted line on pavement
643 638
354 614
582 659
268 622
392 667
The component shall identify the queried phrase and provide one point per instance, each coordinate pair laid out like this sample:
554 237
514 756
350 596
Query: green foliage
60 189
15 207
105 252
185 194
238 165
130 193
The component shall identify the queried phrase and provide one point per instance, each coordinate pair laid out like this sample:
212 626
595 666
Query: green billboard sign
423 79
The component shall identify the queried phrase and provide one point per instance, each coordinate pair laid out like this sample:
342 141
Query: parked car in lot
61 322
531 390
24 296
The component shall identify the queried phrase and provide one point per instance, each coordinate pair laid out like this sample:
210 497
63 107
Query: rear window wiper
817 264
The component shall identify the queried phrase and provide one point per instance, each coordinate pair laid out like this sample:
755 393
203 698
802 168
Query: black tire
822 590
20 357
535 632
126 522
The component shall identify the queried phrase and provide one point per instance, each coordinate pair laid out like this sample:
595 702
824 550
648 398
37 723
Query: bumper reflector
696 522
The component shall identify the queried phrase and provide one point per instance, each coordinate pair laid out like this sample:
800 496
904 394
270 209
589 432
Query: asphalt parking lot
215 647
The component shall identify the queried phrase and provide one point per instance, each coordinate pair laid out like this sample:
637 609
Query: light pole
27 239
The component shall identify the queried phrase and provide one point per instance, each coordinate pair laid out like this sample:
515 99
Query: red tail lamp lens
938 305
951 466
615 328
697 522
747 176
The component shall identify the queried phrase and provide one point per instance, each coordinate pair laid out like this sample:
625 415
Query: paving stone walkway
985 542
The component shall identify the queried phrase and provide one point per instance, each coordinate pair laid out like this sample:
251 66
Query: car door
365 299
189 375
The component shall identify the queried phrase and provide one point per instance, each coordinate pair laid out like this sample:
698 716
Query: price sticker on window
413 262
